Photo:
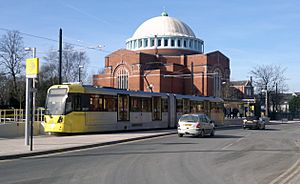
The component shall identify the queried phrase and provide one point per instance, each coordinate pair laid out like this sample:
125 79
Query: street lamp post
266 101
79 70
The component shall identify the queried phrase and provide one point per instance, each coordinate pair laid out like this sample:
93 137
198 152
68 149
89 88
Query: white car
195 124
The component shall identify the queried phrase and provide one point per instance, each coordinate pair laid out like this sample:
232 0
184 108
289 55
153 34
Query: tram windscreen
55 104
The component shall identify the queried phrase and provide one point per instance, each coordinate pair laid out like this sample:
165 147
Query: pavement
13 148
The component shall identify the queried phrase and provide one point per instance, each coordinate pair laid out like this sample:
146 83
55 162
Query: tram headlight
60 119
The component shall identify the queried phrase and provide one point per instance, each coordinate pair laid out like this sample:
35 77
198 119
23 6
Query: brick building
164 55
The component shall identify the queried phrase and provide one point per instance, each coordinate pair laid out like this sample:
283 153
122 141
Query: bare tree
11 56
272 79
71 60
267 76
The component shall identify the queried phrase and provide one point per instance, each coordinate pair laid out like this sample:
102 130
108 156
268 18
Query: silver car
195 124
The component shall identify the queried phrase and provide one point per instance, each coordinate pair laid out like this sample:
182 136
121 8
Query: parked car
195 124
254 122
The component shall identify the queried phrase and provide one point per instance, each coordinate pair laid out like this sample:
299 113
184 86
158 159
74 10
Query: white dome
163 26
163 34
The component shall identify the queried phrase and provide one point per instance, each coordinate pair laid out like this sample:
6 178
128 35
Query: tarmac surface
13 148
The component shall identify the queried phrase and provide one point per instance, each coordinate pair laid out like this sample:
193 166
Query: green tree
294 104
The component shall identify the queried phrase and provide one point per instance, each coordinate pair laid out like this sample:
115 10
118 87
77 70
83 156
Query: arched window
217 82
122 78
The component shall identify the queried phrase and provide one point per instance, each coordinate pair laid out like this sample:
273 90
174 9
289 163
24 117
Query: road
232 156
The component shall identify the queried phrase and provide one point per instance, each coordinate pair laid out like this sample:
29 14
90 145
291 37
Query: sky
250 33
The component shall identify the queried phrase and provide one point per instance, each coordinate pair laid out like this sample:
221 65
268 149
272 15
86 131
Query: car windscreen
189 118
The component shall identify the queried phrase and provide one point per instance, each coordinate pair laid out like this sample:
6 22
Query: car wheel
180 135
212 133
202 134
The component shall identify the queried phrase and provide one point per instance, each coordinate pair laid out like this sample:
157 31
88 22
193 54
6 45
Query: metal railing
18 115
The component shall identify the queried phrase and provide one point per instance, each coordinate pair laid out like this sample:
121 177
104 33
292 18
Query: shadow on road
214 137
159 152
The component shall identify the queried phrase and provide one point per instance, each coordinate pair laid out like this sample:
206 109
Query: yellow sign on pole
32 67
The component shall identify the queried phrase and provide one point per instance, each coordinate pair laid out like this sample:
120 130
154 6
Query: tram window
213 106
85 102
179 105
193 106
96 103
200 107
69 103
136 104
186 106
164 105
146 104
110 103
77 102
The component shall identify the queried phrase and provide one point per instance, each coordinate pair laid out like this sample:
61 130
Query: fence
18 115
285 115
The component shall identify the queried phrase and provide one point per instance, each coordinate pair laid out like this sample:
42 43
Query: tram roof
77 87
91 89
199 98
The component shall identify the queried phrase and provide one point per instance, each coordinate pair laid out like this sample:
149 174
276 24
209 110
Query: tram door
156 108
123 107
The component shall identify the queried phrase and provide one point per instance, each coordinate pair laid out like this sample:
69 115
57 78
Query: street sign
32 67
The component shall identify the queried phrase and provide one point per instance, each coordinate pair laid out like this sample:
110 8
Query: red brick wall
136 62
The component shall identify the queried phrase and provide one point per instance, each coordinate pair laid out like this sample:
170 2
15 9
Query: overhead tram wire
53 40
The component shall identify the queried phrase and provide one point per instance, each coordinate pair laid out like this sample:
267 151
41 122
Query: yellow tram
75 108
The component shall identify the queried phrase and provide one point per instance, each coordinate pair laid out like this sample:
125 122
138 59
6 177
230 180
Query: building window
172 43
166 42
134 44
146 42
140 43
184 43
122 78
151 42
190 43
159 42
178 43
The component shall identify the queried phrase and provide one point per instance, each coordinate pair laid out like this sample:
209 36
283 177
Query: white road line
285 173
288 174
227 146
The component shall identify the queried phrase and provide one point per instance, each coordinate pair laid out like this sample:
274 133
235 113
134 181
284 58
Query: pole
266 103
60 56
79 73
32 96
192 77
27 109
32 117
276 101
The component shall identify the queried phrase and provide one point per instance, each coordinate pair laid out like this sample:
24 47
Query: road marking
288 174
227 146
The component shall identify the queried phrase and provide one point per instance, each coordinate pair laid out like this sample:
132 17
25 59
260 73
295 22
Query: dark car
254 122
